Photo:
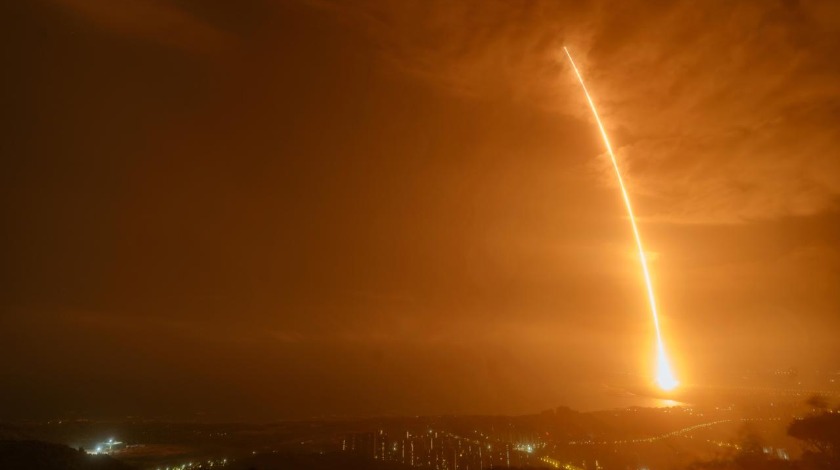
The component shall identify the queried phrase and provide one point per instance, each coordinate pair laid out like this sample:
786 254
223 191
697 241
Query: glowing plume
664 376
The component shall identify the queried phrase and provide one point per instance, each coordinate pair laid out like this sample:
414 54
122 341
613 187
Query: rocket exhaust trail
664 376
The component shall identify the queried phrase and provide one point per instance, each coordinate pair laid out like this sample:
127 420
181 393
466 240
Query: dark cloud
161 21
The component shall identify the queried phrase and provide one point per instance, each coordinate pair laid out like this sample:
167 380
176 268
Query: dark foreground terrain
36 455
674 438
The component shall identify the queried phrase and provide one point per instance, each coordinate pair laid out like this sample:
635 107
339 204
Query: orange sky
269 209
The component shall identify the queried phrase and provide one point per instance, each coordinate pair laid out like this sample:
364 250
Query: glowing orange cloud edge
665 378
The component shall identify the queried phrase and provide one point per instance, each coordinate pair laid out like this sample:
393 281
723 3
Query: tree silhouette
821 435
817 402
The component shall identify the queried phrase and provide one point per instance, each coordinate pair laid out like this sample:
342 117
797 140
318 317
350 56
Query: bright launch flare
664 376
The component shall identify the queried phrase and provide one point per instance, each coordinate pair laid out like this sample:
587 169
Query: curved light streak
664 376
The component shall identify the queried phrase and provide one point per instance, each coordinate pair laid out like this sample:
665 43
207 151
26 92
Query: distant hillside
37 455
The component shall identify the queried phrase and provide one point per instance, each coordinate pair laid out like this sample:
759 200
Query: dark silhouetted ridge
37 455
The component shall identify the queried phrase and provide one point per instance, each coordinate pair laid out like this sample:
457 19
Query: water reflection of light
666 403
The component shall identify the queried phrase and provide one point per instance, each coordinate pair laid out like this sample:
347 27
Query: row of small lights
670 434
188 465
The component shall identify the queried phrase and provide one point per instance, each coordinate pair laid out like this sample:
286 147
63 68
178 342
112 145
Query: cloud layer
721 112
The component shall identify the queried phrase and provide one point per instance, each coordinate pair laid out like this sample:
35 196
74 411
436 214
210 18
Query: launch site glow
664 376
